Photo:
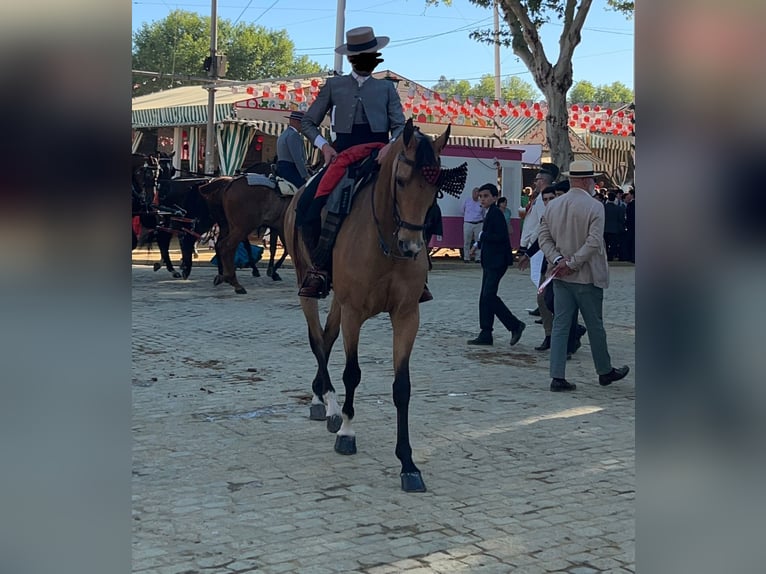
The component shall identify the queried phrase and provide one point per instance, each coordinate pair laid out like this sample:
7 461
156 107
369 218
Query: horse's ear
171 155
409 129
442 140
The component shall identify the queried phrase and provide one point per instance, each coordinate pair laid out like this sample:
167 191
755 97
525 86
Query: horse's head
414 182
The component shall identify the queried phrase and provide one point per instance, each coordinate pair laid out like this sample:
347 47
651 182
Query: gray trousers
590 300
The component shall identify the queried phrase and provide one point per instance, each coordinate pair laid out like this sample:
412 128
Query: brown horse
376 269
240 209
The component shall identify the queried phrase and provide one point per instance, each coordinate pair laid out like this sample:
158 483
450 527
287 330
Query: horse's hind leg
275 266
187 241
345 442
226 257
405 325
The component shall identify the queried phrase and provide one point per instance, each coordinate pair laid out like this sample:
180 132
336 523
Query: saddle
278 184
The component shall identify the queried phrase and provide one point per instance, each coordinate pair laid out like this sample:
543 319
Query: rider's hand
329 154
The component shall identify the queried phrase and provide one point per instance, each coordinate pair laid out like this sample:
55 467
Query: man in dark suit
496 256
291 155
365 110
614 225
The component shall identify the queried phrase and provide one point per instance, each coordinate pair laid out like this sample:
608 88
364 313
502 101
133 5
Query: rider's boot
316 284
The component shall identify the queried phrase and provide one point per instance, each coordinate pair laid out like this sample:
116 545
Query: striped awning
177 116
473 141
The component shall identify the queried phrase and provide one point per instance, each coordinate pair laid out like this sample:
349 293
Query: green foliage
180 42
512 88
614 93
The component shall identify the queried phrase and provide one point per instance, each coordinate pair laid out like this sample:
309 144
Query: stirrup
316 284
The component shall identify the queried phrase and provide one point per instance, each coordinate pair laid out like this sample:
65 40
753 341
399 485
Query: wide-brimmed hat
295 116
551 169
362 40
581 168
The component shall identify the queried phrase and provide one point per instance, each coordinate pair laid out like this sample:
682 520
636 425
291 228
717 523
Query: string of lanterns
433 107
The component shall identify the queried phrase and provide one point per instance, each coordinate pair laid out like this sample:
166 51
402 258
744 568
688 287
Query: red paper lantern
314 83
624 132
597 109
603 129
422 118
609 123
515 113
597 121
572 123
593 128
615 131
586 108
620 114
250 90
575 117
609 111
536 105
504 112
539 115
281 96
586 119
184 135
282 87
528 113
523 105
583 125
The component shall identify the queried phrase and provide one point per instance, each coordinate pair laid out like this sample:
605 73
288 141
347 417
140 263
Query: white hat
581 168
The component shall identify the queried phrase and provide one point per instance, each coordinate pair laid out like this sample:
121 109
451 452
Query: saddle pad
262 180
285 187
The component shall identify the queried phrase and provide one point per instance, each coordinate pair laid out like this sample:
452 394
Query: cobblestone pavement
231 476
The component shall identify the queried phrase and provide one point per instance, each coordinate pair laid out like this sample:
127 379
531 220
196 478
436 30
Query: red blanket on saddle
337 168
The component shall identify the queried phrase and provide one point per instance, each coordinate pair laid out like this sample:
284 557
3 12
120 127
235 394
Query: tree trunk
557 127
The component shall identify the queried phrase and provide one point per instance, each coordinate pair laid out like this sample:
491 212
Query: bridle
398 221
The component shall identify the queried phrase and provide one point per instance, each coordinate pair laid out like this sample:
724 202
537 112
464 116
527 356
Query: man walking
496 248
572 238
473 219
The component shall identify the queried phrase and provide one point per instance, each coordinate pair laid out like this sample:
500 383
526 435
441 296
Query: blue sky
426 42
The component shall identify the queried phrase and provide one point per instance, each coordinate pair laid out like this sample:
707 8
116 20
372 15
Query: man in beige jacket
572 237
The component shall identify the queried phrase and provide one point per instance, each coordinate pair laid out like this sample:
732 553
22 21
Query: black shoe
425 295
580 331
539 321
536 312
545 345
516 334
613 375
559 385
481 340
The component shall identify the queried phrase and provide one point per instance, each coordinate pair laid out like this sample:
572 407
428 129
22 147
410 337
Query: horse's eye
399 182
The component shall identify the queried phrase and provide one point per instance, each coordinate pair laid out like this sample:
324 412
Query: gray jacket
378 98
290 148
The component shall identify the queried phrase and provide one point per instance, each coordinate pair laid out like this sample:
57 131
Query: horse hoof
185 275
318 412
157 266
217 280
240 291
275 276
412 482
176 275
345 444
333 423
256 273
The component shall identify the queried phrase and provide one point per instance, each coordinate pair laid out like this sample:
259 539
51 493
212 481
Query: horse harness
400 223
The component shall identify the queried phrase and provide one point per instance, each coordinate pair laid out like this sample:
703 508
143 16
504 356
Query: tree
523 19
179 43
512 88
614 93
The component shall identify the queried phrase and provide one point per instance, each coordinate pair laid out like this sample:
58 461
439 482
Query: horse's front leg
324 403
250 260
405 325
163 243
345 442
187 241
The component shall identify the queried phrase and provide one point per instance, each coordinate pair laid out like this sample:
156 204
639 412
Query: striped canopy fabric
194 139
137 136
233 141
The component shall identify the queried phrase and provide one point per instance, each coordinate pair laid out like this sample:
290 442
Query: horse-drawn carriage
191 207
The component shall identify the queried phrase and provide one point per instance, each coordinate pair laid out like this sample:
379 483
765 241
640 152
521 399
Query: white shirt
532 222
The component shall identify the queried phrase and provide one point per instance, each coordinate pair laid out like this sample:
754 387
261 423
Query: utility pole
340 24
210 139
497 51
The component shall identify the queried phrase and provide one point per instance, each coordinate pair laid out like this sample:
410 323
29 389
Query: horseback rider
291 155
366 110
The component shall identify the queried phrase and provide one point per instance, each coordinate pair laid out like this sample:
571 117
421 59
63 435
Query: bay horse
376 269
240 209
